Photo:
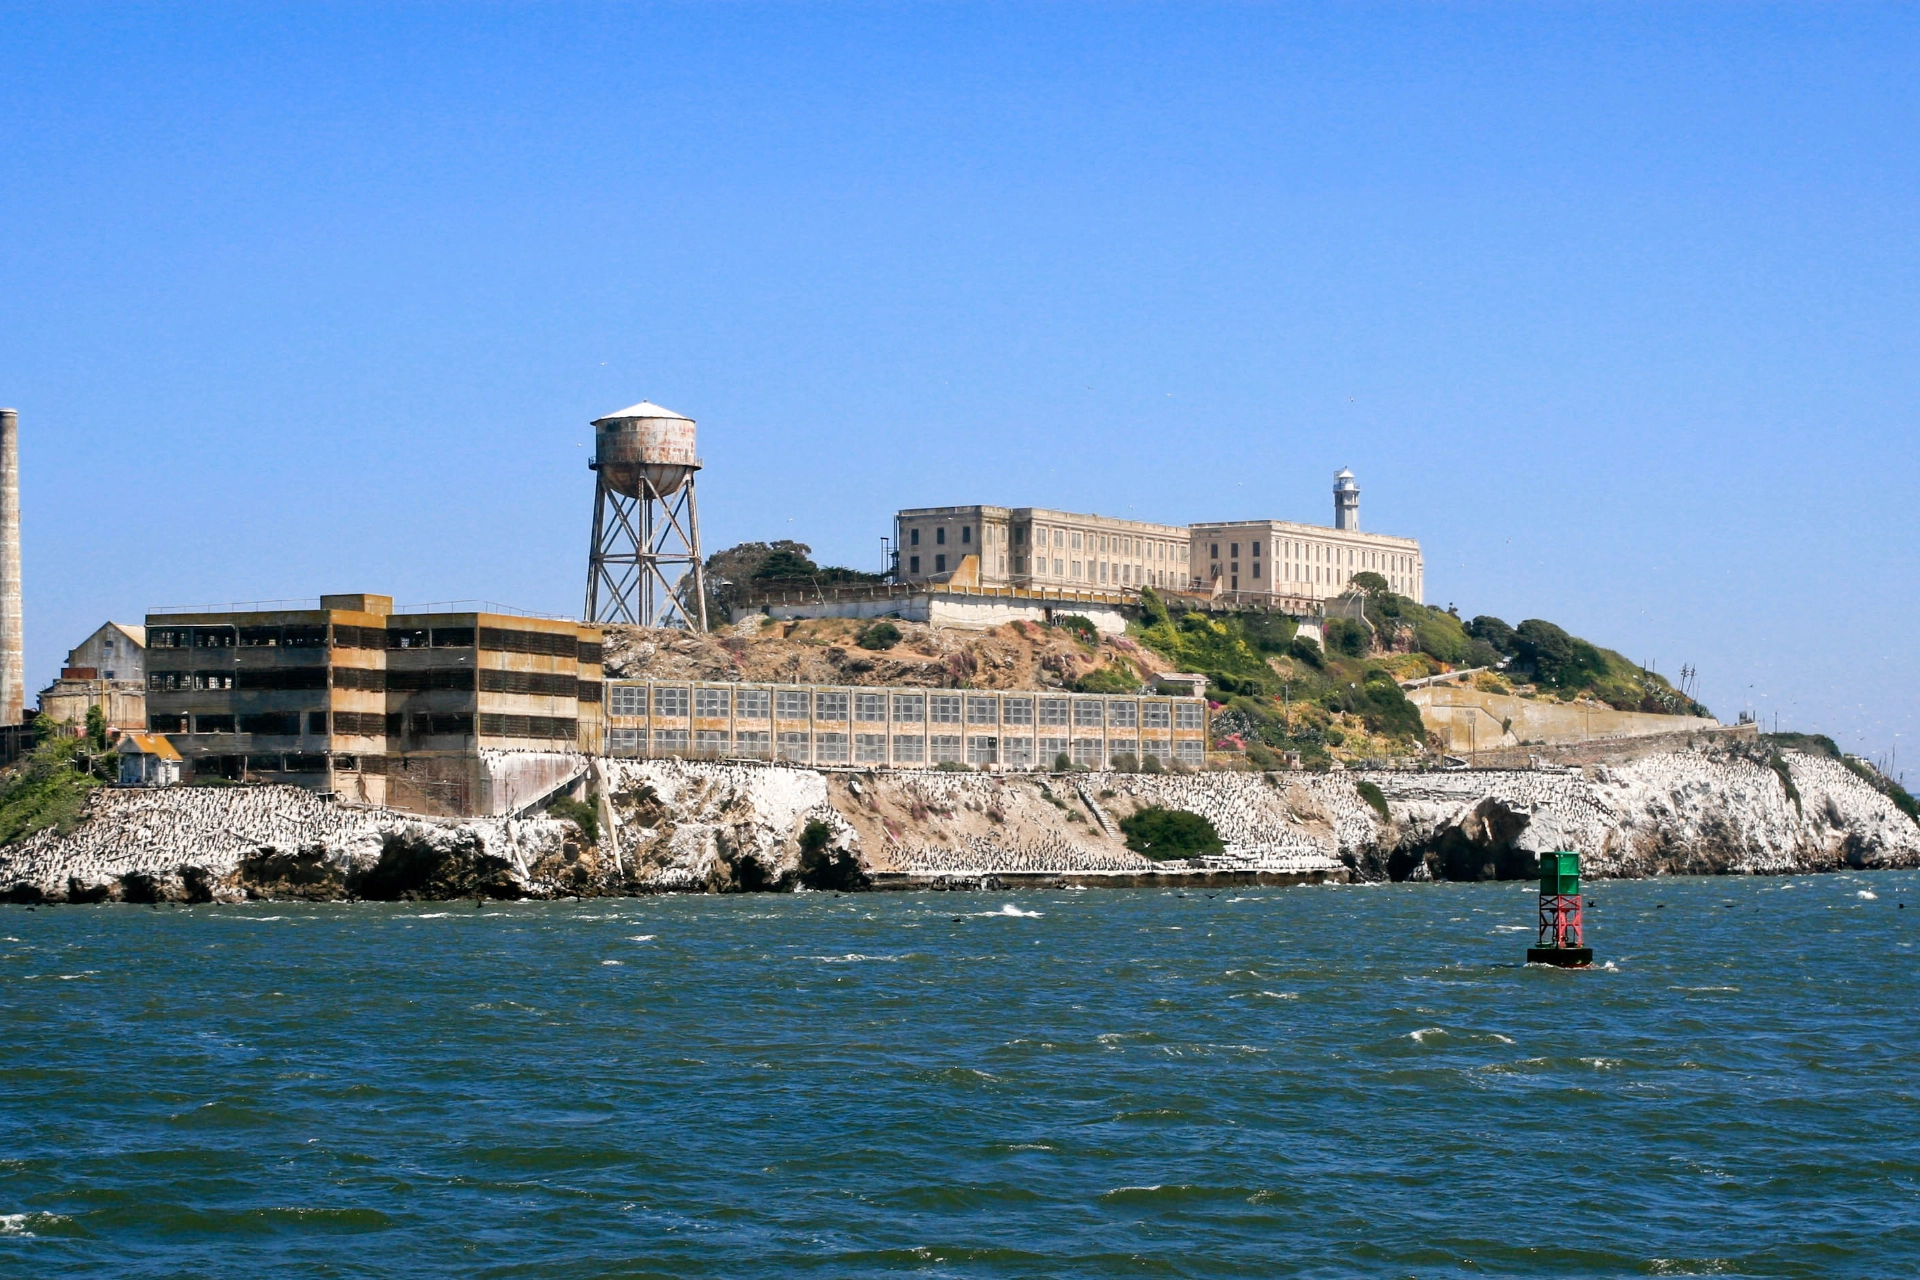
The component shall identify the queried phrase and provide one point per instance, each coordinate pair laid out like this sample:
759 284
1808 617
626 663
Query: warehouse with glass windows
903 728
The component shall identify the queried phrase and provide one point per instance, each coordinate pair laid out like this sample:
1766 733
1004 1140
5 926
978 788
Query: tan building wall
1471 720
1041 547
1280 560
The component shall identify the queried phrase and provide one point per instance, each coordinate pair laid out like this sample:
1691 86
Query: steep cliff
691 826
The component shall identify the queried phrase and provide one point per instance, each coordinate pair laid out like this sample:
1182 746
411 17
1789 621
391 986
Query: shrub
1304 648
1270 632
1346 636
1163 834
1062 763
1124 762
1375 798
1439 635
96 728
584 814
45 790
1081 627
953 766
1116 678
881 635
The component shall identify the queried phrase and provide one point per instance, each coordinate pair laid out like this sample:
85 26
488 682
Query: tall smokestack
13 643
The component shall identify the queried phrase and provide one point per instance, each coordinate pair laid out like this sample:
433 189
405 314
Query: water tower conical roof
645 409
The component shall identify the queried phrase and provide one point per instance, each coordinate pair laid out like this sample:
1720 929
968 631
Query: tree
1370 582
1344 635
881 635
1494 632
1554 657
96 728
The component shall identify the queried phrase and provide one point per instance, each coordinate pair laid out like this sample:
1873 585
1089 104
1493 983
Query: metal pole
13 675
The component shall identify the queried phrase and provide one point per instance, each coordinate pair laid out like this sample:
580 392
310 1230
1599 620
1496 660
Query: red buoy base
1565 957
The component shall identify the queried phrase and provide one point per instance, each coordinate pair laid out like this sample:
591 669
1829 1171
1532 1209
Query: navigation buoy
1562 938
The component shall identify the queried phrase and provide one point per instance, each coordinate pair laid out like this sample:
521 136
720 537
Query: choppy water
1312 1081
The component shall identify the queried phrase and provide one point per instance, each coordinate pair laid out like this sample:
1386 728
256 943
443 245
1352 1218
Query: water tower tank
644 442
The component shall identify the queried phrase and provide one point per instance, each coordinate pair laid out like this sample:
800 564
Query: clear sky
1615 307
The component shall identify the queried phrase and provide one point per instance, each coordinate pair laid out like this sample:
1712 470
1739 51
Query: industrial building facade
1040 547
905 728
353 699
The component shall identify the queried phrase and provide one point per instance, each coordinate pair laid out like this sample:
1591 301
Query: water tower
646 529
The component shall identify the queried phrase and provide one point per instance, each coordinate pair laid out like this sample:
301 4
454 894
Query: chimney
13 644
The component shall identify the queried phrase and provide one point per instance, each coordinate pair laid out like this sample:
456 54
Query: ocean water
1324 1081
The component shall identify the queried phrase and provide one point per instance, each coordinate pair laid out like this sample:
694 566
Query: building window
754 744
711 703
944 708
1188 715
1120 715
1086 751
909 706
1019 537
1076 542
830 748
1087 714
710 742
1155 715
1053 711
791 704
1076 568
1017 710
940 564
869 748
913 564
1059 569
1213 551
670 703
1256 551
913 538
940 535
870 706
629 700
1256 570
751 704
983 750
1017 752
909 749
1233 550
982 711
966 534
1059 538
794 746
944 748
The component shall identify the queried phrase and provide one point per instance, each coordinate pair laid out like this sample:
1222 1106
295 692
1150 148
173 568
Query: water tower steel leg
592 612
699 568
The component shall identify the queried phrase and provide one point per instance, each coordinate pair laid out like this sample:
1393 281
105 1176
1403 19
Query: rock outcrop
673 825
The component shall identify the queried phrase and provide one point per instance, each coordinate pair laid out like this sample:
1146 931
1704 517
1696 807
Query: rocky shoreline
683 826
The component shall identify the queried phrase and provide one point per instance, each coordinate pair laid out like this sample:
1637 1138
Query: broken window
711 703
1156 715
943 748
272 723
621 742
166 724
670 702
454 638
259 637
317 722
213 724
1086 751
1189 715
1122 715
303 637
669 742
588 654
407 637
983 750
1017 752
1051 747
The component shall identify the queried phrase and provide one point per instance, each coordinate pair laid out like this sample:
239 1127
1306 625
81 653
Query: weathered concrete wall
1472 720
971 612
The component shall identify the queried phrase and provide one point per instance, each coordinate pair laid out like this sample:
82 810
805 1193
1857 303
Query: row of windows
349 637
1317 553
879 748
418 680
368 724
671 702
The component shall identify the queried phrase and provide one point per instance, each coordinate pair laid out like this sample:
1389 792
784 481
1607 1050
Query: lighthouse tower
1346 501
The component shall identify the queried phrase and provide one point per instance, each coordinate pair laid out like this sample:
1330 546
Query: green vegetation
584 814
1120 677
1082 628
1163 834
1376 799
784 561
1345 636
953 766
881 635
47 789
1778 764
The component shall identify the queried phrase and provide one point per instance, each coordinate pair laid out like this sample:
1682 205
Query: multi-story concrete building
1273 563
1040 547
387 708
1285 564
900 728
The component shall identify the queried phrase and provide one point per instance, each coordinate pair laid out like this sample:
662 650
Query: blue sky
1616 307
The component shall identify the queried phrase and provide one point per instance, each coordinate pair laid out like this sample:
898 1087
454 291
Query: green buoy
1562 936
